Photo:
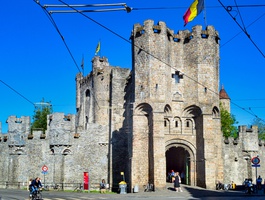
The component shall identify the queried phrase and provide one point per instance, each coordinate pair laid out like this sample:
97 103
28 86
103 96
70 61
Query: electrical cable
17 92
240 16
150 53
176 8
242 31
246 33
58 31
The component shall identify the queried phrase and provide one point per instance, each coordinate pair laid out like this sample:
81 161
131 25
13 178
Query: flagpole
83 65
204 14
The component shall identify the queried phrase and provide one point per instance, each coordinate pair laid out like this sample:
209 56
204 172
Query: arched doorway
178 159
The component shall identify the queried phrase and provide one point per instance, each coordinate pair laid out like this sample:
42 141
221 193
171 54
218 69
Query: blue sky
35 62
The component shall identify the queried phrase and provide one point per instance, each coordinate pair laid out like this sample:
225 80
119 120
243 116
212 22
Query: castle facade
137 125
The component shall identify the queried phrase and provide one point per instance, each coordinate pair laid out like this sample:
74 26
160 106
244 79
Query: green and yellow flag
98 48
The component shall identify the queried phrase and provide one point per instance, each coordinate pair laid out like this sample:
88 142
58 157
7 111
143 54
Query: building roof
223 94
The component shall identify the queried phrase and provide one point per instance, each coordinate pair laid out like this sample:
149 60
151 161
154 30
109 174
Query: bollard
136 189
123 187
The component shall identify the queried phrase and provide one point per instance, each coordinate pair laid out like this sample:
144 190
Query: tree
227 123
41 111
261 127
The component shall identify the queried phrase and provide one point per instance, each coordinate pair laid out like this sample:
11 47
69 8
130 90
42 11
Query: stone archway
180 156
177 159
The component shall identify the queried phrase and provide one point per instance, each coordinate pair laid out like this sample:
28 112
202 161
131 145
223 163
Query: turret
101 87
224 99
152 62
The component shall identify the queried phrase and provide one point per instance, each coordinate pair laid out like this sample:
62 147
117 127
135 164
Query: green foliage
40 116
227 123
261 127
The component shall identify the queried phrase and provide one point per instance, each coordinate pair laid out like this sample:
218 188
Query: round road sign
255 160
44 168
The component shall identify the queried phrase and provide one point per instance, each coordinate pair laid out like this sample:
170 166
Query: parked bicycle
79 188
46 188
149 187
56 187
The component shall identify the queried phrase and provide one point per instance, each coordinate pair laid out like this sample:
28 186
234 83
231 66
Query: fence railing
47 186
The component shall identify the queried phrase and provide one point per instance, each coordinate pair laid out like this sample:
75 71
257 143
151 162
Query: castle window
176 124
205 36
188 124
176 39
88 93
157 29
177 76
165 123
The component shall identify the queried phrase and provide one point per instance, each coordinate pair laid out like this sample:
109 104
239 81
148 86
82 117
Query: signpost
44 171
255 161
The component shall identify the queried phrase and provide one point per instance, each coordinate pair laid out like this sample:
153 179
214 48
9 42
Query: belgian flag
193 11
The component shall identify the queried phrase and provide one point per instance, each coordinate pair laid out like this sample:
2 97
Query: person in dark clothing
177 182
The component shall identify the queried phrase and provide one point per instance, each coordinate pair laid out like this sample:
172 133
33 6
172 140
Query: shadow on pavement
197 192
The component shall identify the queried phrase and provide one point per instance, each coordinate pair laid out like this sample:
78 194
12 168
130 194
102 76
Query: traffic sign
255 160
255 165
43 172
44 168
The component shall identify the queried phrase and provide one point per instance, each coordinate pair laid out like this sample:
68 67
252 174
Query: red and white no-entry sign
255 160
44 168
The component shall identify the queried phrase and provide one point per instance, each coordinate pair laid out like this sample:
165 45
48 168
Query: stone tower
160 116
176 119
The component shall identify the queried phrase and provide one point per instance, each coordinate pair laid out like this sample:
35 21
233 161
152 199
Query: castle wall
238 154
130 121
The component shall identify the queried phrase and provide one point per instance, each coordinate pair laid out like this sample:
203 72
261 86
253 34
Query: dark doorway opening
178 159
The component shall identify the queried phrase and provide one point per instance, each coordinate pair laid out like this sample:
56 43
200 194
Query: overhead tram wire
17 92
245 31
152 55
148 52
58 31
176 8
242 31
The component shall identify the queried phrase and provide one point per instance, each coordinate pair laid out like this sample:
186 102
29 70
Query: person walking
177 182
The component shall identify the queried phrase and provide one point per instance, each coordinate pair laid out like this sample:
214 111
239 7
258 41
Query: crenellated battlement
197 32
18 124
239 152
99 64
19 129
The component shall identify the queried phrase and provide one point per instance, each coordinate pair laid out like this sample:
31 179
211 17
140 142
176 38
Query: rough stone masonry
161 115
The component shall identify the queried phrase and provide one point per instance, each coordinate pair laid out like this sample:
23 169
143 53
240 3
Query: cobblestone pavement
188 193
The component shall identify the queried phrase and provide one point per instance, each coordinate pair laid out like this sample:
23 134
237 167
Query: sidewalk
193 192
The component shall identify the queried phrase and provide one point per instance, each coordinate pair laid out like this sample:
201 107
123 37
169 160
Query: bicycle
79 188
36 195
149 187
46 188
56 187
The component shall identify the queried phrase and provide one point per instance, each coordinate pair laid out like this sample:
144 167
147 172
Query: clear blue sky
35 62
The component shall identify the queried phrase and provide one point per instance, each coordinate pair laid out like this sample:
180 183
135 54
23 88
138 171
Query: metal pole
256 179
84 5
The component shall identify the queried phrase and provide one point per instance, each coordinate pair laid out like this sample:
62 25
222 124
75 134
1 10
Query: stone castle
161 115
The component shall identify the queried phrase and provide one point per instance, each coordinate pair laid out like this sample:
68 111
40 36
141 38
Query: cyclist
35 184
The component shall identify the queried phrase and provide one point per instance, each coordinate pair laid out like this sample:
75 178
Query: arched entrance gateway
180 158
